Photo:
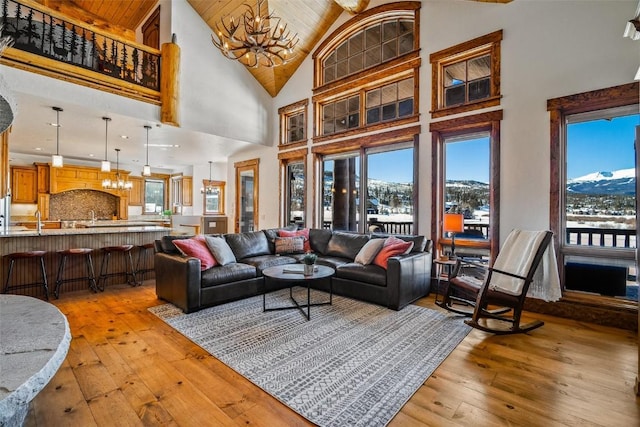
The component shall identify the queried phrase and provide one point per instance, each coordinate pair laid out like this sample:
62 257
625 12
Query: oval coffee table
290 276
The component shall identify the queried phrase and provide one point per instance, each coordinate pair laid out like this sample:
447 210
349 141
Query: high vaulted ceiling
309 19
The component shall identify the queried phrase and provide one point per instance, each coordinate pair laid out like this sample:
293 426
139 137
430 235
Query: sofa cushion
369 251
265 261
372 274
166 243
272 233
304 233
419 242
332 261
392 247
289 245
197 248
220 249
318 239
248 244
224 274
346 245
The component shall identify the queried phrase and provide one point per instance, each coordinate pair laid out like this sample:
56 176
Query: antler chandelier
253 40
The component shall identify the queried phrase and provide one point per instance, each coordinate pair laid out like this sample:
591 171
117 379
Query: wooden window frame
287 112
393 70
559 109
485 45
482 122
286 158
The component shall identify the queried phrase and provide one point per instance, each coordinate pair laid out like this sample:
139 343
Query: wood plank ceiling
310 19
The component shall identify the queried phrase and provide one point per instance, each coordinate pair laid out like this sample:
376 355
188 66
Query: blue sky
594 146
601 145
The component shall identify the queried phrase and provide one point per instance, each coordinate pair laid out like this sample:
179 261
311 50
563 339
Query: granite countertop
35 341
91 230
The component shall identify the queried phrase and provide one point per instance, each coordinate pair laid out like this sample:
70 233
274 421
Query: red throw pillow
304 233
197 248
392 247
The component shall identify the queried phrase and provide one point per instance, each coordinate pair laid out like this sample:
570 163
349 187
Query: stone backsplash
77 205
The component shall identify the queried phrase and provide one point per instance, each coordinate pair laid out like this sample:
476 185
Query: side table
441 264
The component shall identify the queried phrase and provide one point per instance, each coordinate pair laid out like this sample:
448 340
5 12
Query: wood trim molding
368 141
616 96
460 48
367 129
462 123
294 107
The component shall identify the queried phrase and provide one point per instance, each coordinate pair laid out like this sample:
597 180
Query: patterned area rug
352 364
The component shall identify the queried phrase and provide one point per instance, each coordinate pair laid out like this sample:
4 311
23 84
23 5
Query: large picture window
593 184
467 182
387 203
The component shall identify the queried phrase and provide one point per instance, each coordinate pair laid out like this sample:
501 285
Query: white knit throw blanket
516 256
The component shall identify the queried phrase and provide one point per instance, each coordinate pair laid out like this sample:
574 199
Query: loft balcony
48 43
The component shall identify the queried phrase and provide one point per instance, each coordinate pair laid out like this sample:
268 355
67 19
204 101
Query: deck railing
601 237
40 32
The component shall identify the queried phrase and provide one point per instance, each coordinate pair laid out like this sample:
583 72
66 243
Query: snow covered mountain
620 182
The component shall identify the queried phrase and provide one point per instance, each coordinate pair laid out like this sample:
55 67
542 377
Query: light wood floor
126 367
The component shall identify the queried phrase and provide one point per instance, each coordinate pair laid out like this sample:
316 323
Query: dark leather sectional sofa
179 278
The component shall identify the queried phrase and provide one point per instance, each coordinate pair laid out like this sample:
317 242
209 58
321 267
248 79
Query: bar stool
75 252
144 265
28 255
129 272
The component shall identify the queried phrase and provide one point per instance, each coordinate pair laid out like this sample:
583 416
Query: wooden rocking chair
504 286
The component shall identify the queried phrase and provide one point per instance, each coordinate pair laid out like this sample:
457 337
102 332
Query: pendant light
119 183
209 189
106 164
146 169
56 159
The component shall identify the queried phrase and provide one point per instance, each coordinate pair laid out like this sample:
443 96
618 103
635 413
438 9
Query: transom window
390 102
466 76
293 121
467 81
371 46
341 115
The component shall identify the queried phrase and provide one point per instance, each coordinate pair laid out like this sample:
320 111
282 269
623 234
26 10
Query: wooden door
246 210
151 30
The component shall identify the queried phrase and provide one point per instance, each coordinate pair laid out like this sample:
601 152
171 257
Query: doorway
246 212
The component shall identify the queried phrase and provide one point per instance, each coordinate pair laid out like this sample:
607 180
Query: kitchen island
52 240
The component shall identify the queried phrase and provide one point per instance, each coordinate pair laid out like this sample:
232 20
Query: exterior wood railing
49 43
601 237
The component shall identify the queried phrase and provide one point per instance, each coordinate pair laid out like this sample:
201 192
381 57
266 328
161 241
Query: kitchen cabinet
24 185
187 191
136 194
43 177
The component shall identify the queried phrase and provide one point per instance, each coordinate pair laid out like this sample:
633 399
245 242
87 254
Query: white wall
217 96
549 49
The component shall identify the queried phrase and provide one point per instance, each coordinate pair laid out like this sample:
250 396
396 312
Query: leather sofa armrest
408 278
178 280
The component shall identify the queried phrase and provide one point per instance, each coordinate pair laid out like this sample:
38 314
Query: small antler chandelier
253 40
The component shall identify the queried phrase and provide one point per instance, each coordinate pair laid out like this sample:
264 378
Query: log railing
51 44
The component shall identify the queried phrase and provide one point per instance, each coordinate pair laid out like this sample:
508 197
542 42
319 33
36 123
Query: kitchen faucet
38 222
93 216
